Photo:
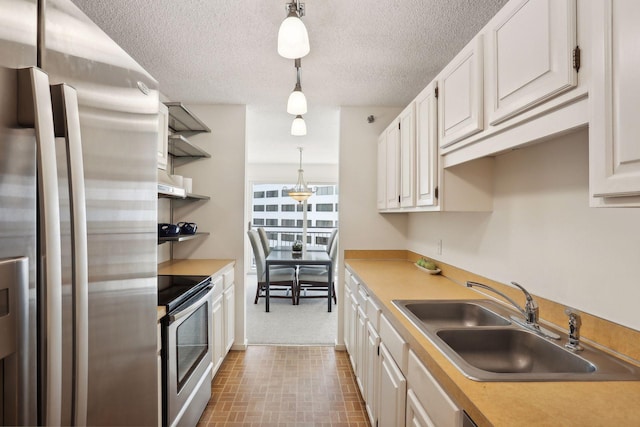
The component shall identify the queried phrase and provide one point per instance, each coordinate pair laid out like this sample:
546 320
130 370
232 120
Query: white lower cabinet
427 403
217 332
361 344
416 415
393 391
372 373
229 310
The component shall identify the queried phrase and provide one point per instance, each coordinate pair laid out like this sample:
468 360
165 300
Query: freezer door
18 200
118 109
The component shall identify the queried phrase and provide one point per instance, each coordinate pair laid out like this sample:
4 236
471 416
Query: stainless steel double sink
478 337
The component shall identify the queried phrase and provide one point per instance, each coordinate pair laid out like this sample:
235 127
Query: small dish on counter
436 271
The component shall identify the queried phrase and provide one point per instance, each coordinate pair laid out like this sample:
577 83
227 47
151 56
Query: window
272 193
326 224
258 208
324 191
299 207
299 223
284 192
273 222
288 222
288 208
287 237
258 194
272 208
324 207
258 221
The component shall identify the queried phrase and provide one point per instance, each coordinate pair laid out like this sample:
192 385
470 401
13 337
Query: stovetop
175 290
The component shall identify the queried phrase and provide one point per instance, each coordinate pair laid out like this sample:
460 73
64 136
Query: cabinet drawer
217 283
435 401
373 313
228 278
397 346
362 296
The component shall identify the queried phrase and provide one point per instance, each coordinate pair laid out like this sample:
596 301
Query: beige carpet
308 323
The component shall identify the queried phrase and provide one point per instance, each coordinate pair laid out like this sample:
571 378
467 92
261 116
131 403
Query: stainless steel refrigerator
78 220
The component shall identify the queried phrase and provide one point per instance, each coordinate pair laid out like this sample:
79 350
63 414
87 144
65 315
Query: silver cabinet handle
67 125
34 110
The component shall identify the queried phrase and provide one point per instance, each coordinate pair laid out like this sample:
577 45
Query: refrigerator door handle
67 124
35 110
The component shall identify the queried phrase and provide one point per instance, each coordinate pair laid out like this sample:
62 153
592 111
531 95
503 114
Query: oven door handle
191 307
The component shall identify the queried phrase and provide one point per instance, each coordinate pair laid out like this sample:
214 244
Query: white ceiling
363 53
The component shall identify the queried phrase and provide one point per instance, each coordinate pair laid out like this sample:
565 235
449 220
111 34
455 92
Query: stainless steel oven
187 348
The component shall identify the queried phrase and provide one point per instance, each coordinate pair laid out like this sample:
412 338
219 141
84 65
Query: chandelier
301 191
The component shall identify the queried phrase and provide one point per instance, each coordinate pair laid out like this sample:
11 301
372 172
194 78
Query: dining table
289 257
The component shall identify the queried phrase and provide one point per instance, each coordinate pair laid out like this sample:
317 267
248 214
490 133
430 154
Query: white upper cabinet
393 165
460 98
426 106
407 156
530 55
614 128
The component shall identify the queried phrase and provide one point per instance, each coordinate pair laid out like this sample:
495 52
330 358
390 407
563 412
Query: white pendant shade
298 127
297 103
293 39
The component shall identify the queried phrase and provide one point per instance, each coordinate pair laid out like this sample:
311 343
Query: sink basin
512 351
454 314
477 337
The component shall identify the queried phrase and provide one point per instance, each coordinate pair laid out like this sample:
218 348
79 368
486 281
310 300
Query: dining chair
264 240
313 278
331 238
280 278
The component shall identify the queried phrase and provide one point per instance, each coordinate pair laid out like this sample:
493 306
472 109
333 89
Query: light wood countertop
611 403
194 267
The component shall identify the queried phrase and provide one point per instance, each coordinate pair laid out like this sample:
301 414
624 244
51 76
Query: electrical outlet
439 247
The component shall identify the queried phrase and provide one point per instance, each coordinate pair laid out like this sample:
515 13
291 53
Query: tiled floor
285 386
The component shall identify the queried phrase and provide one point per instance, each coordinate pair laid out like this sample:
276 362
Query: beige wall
543 235
222 178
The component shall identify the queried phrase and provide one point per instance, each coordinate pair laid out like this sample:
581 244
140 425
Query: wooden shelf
181 238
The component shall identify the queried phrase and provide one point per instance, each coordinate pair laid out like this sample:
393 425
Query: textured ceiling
363 53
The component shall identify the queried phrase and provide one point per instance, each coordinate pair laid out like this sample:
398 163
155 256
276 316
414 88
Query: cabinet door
382 171
614 150
163 135
426 146
218 332
229 317
393 165
347 318
530 55
407 156
353 320
416 415
393 389
460 95
361 343
372 373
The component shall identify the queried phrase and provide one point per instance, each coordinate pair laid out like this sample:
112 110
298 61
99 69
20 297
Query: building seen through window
282 217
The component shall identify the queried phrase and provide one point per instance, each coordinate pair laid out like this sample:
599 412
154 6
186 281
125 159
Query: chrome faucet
574 330
530 310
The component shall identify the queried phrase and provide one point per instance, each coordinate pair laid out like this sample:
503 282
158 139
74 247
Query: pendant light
297 103
293 39
301 191
298 127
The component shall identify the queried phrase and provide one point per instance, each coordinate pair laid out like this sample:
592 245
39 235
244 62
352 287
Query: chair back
258 253
264 240
331 238
333 251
